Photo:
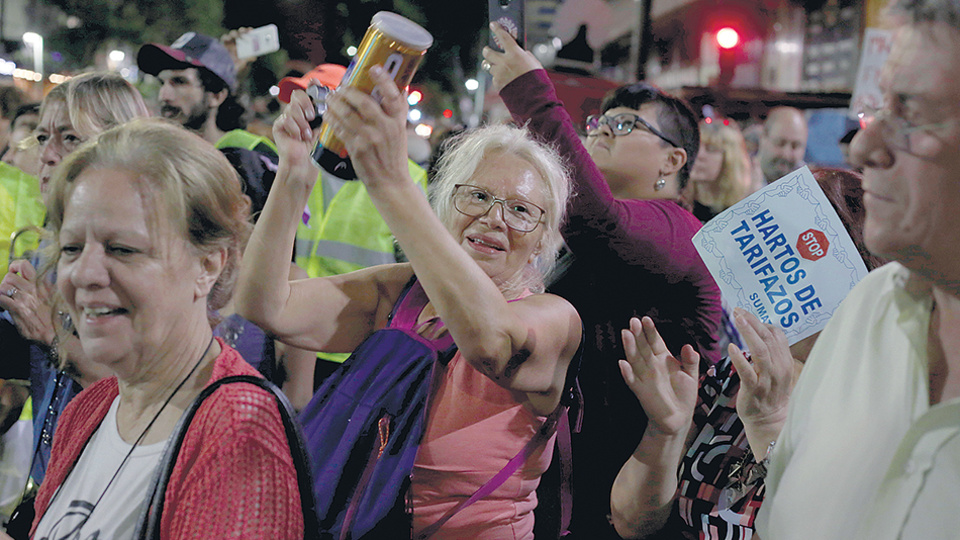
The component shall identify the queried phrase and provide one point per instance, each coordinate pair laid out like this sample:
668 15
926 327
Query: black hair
23 110
676 118
230 114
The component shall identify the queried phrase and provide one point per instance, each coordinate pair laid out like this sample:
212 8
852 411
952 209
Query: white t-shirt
115 516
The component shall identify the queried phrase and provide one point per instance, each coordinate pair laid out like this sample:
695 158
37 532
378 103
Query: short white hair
462 154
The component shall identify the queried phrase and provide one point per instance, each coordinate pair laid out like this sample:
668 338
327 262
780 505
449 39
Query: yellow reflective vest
341 230
239 138
21 207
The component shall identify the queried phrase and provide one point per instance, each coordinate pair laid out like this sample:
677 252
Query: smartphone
258 42
509 13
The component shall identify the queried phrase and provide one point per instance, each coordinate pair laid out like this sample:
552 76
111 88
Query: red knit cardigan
234 476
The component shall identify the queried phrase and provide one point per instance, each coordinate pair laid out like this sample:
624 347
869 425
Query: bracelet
760 469
746 472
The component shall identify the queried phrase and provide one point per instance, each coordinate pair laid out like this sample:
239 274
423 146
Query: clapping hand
28 302
766 379
665 386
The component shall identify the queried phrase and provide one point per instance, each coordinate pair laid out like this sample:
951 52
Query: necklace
135 443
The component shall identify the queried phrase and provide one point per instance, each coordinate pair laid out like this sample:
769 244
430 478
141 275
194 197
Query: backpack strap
148 526
407 310
573 399
540 438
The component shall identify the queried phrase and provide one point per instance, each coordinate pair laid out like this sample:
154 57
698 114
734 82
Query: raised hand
766 380
513 62
229 41
665 386
374 130
295 137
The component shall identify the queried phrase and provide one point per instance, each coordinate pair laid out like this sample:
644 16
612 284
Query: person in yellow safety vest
341 230
21 209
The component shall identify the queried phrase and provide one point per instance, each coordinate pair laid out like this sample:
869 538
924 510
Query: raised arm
644 490
331 314
598 224
523 345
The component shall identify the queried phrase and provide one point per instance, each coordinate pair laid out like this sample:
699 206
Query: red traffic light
727 38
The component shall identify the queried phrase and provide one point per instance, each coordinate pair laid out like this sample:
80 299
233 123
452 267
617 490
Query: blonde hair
96 102
198 188
734 181
462 155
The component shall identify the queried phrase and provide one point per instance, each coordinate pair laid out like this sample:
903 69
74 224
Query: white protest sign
866 89
783 254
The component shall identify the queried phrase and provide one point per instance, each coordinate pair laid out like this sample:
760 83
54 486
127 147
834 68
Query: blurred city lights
274 90
117 56
727 38
414 97
414 115
447 113
7 67
36 43
787 47
471 84
351 50
423 130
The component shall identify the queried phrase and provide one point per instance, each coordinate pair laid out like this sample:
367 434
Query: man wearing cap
341 231
198 79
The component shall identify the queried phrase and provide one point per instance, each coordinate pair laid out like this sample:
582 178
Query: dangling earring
661 182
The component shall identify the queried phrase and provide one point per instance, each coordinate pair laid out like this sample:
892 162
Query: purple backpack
364 425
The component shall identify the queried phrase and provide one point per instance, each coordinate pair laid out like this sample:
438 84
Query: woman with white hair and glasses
476 266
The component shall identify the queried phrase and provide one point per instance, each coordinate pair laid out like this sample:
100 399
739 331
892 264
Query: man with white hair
871 446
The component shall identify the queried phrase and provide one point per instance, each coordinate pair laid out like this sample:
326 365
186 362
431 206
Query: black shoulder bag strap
148 526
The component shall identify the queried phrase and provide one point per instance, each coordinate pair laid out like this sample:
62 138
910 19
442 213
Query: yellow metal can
394 42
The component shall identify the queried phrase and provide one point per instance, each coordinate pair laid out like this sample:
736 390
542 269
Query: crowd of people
521 343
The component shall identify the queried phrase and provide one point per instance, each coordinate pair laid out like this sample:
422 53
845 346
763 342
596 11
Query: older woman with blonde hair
720 176
149 224
71 113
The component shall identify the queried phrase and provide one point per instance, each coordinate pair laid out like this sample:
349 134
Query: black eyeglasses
623 124
474 201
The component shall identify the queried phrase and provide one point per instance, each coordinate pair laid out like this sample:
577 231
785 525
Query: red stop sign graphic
812 244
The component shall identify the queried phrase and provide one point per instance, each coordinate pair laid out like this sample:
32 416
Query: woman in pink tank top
480 258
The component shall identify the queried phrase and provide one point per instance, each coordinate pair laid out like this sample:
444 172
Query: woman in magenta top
630 238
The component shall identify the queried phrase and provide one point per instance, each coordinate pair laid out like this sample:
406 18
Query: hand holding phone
510 15
258 42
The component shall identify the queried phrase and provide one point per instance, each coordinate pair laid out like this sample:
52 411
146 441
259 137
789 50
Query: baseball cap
189 50
328 75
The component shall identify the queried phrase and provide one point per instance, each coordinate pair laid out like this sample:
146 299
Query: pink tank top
474 428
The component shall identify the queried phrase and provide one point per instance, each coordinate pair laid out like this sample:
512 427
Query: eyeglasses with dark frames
624 124
474 201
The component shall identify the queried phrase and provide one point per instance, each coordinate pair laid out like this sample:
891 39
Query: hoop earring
661 182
